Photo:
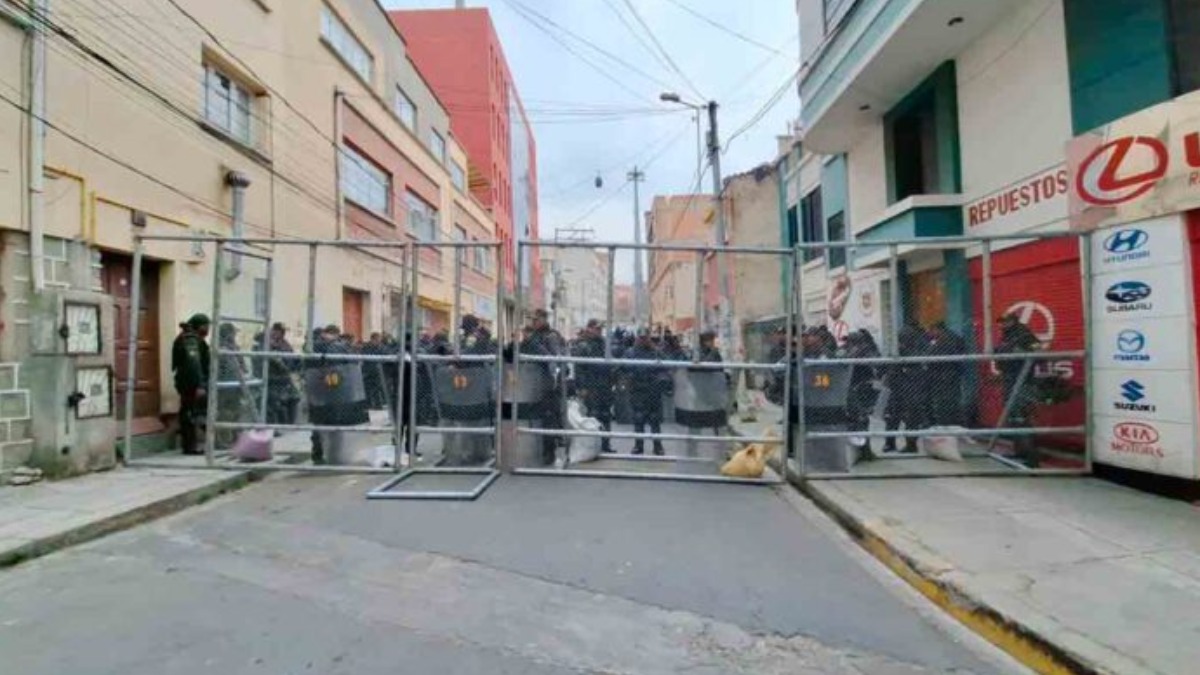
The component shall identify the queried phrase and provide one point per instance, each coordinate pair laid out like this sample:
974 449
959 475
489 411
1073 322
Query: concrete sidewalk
42 518
1067 574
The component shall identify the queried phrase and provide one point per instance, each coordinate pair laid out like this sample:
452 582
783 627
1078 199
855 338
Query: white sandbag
583 449
945 448
254 445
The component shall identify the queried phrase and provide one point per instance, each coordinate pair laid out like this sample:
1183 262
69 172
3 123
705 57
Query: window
460 234
837 232
458 176
1185 31
921 139
480 256
364 183
437 145
422 218
228 105
405 109
812 224
261 301
339 38
835 11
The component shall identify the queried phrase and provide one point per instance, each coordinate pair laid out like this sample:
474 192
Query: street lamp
714 158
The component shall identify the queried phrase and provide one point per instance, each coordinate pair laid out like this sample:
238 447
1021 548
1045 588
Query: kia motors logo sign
1136 438
1113 174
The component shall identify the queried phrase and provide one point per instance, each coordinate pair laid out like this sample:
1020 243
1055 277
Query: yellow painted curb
1033 653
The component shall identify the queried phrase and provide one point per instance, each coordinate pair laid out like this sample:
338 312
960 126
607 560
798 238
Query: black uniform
190 365
945 379
546 341
1017 338
863 394
645 386
594 384
908 401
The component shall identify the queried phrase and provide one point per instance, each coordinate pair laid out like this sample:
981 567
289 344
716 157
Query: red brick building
459 53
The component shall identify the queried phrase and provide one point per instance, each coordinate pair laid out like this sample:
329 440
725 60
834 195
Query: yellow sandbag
749 462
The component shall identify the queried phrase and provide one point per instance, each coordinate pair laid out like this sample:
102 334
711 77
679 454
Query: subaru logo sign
1131 346
1133 395
1126 245
1128 296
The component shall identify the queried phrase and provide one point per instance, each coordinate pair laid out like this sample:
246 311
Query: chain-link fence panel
957 356
619 379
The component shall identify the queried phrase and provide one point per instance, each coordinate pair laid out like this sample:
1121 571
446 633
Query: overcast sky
585 123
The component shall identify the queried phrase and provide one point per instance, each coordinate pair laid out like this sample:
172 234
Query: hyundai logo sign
1126 245
1131 346
1128 296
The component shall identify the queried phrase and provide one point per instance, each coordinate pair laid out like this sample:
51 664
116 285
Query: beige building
679 219
307 115
753 211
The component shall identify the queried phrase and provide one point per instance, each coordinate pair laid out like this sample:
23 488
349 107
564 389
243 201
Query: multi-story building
248 120
931 118
460 53
673 287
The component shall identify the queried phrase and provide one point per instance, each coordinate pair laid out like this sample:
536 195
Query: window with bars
338 36
365 183
422 218
228 106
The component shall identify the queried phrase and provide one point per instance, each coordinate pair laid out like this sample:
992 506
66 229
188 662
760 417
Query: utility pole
724 310
639 289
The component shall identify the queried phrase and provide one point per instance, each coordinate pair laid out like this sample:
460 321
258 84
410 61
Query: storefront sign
1149 344
1146 396
1141 166
1158 447
1037 200
1137 294
1149 243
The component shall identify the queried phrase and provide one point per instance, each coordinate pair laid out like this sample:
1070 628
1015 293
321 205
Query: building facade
461 54
252 119
677 279
926 118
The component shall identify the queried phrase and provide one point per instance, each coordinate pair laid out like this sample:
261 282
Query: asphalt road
541 575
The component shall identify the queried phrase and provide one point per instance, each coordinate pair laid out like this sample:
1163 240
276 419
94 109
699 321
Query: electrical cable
611 4
662 50
727 30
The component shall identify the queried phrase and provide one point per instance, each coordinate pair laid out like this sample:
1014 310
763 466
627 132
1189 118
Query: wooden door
353 305
147 393
928 297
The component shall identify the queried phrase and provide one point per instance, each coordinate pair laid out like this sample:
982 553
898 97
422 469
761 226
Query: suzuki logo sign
1112 174
1139 167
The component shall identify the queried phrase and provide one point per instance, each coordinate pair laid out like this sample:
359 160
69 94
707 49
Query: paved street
301 574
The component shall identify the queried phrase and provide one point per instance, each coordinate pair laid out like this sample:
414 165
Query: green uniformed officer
190 365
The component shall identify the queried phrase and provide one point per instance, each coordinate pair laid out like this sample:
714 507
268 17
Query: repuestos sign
1142 166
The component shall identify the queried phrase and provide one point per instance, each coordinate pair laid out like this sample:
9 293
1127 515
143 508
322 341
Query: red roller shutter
1041 283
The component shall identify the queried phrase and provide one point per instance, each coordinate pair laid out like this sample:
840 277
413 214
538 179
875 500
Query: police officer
594 383
945 379
190 366
281 406
908 402
1017 376
646 386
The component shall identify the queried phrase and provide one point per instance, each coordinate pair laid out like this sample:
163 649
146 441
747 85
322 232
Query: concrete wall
12 123
752 201
866 170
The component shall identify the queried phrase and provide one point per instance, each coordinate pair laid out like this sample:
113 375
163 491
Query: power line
567 46
611 4
613 57
662 50
762 112
727 30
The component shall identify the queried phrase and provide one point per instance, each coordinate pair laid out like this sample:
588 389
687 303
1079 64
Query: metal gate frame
779 462
489 473
965 244
240 246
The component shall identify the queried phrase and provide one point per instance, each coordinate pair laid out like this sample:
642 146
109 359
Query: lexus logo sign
1122 170
1037 316
1143 166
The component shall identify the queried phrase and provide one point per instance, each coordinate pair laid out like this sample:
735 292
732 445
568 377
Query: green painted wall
1120 58
938 92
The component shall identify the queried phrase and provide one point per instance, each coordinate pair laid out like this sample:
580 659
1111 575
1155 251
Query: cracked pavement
302 574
